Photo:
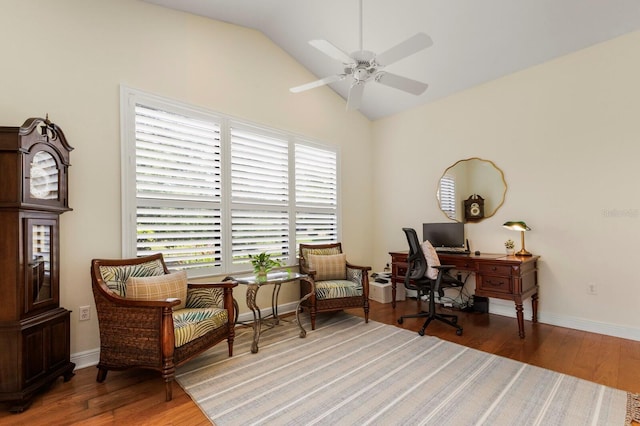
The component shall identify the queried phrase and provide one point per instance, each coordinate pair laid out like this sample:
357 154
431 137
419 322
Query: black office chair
416 279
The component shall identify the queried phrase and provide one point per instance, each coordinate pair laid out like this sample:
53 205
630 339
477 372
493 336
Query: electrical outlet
592 289
85 313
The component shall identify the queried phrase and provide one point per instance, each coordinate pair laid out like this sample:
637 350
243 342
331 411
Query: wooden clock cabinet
34 329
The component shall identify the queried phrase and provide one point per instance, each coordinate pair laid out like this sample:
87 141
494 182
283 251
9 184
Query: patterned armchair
150 318
335 284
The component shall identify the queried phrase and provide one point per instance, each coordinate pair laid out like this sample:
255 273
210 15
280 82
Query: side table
276 279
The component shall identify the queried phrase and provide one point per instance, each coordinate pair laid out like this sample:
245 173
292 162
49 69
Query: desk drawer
399 270
460 262
493 269
494 283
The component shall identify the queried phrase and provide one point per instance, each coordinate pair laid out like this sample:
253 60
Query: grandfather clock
34 329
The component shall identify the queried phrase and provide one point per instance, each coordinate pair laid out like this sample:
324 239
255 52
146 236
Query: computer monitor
450 234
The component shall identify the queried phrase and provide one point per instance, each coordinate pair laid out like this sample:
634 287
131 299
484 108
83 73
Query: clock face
474 209
43 173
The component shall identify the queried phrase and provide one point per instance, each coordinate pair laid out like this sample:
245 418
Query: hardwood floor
137 396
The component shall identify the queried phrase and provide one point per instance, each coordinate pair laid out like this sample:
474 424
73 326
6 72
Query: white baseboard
86 358
507 308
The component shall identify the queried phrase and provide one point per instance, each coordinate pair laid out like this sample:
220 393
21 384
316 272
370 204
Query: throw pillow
432 259
330 267
159 287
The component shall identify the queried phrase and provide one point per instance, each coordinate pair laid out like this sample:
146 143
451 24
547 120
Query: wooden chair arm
362 268
308 271
225 284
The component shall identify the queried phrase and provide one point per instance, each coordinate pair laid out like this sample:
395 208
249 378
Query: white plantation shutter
207 191
447 195
318 228
259 168
316 195
255 231
259 192
178 187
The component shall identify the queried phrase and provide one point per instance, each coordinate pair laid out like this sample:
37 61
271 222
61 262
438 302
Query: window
316 195
447 196
259 195
208 190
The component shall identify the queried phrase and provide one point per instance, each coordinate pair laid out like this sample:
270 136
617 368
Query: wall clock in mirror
471 190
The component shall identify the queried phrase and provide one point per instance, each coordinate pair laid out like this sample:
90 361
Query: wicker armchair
335 284
153 333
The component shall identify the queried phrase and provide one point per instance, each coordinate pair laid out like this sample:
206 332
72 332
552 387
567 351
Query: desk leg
252 292
520 315
393 293
534 307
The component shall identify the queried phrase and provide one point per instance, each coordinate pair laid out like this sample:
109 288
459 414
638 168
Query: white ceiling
475 41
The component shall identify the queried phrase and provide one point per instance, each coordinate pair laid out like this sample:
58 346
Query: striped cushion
115 277
205 298
159 287
334 289
189 324
333 267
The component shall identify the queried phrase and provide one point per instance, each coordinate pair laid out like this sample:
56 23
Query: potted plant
262 263
510 246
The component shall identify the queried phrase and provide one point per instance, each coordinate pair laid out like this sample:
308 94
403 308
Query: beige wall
567 136
68 58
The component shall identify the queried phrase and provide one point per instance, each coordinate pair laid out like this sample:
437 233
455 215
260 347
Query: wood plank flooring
137 396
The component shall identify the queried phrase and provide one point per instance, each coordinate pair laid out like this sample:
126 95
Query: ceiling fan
363 66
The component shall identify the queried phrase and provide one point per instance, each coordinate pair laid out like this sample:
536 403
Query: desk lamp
519 226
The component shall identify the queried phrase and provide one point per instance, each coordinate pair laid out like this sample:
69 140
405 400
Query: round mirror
471 190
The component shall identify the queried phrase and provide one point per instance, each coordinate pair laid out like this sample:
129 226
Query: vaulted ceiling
475 41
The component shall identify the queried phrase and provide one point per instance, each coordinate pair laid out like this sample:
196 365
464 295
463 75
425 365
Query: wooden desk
498 276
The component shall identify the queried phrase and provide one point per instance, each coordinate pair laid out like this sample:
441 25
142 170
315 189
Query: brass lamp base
522 251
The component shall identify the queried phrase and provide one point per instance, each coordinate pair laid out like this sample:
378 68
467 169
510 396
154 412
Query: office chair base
451 320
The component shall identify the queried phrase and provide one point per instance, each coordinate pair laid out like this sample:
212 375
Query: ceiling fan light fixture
362 65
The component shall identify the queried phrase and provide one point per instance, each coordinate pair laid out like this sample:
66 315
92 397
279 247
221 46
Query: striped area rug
347 372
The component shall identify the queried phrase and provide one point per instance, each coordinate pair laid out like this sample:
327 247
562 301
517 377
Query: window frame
130 97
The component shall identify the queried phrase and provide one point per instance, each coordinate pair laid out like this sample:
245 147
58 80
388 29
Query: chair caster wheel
400 320
459 332
421 332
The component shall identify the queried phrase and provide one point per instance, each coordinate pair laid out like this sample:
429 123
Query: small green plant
509 244
262 263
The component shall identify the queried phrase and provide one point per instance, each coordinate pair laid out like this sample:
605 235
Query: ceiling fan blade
403 83
406 48
330 50
355 96
317 83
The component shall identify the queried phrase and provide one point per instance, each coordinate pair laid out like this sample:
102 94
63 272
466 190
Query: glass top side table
276 279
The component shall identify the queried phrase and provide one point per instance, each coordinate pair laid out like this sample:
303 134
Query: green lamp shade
517 226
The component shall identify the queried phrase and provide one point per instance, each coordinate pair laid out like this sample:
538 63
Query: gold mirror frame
465 178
